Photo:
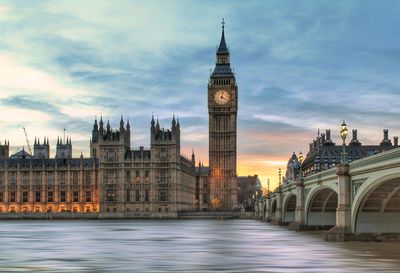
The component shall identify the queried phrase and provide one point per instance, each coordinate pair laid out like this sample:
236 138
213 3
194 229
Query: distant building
249 188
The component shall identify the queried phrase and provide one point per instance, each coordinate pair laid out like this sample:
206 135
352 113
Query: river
182 246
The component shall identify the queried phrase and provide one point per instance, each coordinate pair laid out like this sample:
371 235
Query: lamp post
343 134
301 158
268 186
280 175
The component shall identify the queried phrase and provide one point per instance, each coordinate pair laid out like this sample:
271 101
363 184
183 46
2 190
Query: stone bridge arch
376 205
273 210
320 209
289 208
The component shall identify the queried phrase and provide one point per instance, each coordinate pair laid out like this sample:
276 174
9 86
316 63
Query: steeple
101 124
128 126
173 121
222 49
121 124
152 121
108 126
95 126
157 125
222 67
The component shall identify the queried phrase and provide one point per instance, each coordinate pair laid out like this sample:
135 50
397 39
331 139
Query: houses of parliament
118 180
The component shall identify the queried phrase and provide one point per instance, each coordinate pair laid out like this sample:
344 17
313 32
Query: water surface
182 246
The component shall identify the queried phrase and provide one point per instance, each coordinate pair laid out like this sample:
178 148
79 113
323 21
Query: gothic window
75 196
111 156
146 196
88 178
13 195
62 178
50 196
88 196
146 174
50 178
163 154
62 196
1 197
13 179
25 196
162 197
37 179
25 178
128 195
75 178
137 195
1 179
163 176
37 196
110 196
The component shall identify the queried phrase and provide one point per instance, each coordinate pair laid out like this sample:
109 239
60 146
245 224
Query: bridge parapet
352 186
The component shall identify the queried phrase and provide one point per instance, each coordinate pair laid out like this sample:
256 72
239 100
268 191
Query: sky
300 66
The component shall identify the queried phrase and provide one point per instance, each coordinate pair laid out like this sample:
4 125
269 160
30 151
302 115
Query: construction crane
27 141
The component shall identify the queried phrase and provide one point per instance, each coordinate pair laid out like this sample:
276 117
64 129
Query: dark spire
35 141
95 126
222 49
128 126
158 125
121 123
101 123
173 121
152 121
108 126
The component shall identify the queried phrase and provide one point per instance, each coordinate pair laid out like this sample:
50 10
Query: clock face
221 97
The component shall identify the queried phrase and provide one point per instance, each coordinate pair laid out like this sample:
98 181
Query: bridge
355 199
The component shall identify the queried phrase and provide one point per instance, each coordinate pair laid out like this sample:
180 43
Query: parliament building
121 181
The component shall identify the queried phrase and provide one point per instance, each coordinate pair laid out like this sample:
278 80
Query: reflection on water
182 246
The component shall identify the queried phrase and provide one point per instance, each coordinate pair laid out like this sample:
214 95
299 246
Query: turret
386 142
4 150
95 132
41 150
101 129
193 157
64 150
354 140
121 125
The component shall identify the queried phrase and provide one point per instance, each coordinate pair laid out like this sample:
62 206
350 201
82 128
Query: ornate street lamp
301 158
343 134
268 187
280 176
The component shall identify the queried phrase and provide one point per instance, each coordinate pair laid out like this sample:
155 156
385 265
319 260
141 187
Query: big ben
222 110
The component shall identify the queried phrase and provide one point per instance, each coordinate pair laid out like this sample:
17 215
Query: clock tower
222 110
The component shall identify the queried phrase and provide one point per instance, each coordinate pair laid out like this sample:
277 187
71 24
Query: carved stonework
342 169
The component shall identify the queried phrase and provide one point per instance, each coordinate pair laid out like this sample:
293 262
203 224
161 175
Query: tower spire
222 49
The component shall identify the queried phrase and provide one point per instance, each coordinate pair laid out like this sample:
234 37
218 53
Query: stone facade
115 180
222 109
39 184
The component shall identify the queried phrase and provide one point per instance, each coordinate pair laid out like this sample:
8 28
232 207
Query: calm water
182 246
